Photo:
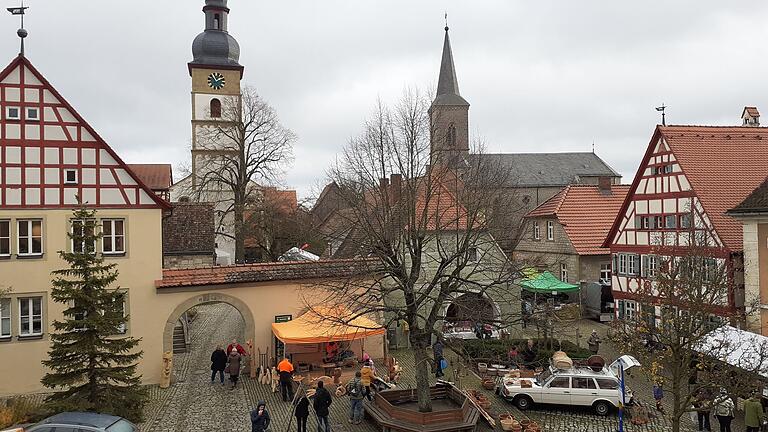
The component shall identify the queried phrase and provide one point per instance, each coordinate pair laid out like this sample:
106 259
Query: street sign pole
621 400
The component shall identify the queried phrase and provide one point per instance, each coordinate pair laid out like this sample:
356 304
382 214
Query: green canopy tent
546 283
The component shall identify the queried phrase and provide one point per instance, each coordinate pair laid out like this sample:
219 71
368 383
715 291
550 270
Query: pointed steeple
448 84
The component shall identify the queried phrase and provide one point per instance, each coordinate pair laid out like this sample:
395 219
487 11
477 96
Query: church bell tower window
215 108
450 136
217 22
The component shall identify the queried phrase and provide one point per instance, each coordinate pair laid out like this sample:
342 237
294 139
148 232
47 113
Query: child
302 413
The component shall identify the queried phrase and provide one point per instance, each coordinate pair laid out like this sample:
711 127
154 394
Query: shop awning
311 328
546 282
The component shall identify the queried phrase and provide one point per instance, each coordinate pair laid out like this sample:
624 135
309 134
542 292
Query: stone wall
188 261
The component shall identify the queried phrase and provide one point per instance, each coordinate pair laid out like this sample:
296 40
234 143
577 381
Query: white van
578 386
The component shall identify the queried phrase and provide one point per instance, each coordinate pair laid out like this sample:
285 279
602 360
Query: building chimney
396 180
750 117
604 184
383 185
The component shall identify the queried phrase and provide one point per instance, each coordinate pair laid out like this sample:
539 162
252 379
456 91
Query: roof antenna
446 21
593 146
663 114
22 33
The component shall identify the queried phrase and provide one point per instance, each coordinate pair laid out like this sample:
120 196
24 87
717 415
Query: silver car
79 422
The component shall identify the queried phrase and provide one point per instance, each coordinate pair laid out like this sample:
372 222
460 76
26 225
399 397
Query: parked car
79 422
576 386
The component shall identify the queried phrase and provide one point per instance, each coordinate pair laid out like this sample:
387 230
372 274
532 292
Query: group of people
229 362
722 406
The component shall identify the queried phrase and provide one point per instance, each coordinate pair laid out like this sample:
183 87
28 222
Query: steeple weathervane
22 33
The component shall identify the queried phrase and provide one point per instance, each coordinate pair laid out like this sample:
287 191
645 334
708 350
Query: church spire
448 84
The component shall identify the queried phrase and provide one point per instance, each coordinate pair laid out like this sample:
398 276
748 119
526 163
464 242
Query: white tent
740 348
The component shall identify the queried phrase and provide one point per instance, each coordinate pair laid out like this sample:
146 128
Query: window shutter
638 222
621 309
644 265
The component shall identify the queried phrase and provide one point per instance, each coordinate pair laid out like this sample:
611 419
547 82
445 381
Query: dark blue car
80 422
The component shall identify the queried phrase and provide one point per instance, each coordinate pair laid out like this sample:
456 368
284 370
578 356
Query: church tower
216 74
449 112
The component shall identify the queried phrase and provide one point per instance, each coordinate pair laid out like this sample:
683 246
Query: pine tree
92 367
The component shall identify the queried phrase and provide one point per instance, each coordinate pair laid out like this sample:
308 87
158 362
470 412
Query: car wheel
523 402
601 408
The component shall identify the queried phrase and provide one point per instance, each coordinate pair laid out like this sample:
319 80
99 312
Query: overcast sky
541 76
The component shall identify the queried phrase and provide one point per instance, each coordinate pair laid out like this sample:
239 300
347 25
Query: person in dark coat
321 404
260 417
218 363
437 352
234 367
302 413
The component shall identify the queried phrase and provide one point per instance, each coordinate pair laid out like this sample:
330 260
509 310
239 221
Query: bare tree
424 219
692 285
273 226
248 147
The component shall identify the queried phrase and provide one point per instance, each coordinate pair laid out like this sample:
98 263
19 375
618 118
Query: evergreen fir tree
93 368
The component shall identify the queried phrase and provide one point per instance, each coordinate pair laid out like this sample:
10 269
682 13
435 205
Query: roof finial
663 114
446 21
22 33
593 146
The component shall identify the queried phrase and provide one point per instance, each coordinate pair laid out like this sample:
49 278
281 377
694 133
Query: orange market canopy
316 327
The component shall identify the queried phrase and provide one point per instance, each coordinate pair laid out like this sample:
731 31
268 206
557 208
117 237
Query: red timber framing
661 188
37 153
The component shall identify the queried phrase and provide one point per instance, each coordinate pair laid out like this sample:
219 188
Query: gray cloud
541 76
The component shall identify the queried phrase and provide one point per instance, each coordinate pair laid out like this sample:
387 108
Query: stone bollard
165 379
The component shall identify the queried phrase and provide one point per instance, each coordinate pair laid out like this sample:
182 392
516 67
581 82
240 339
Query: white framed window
29 237
622 263
670 221
83 228
5 238
649 264
33 114
31 316
536 231
605 274
685 220
113 236
630 309
120 300
564 272
13 113
70 176
632 264
5 317
550 230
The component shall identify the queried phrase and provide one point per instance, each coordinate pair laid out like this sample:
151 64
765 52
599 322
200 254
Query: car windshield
543 377
121 426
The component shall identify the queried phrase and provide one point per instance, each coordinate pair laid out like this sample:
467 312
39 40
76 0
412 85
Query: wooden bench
390 424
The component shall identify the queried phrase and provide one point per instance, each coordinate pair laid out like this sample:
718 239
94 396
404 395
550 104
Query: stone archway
202 299
471 307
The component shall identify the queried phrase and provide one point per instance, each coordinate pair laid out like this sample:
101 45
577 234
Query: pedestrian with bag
753 412
285 369
594 342
723 407
260 417
658 395
703 406
233 368
218 363
321 405
437 352
355 391
302 413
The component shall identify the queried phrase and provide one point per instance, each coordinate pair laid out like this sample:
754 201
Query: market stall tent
546 283
739 348
314 327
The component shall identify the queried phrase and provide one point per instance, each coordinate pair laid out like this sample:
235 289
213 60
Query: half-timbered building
687 180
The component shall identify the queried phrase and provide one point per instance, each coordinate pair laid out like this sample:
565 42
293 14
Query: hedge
496 350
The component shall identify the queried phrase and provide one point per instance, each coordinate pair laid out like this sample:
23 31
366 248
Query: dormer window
13 113
215 108
33 114
70 176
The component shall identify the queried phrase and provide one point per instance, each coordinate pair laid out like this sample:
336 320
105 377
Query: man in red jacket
237 346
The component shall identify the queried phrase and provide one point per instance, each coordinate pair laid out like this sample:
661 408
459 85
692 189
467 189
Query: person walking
366 376
658 395
285 369
723 407
753 412
233 368
355 391
703 406
302 413
260 418
437 352
218 363
236 346
321 405
594 342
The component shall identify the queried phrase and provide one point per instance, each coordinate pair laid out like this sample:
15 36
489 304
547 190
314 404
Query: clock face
216 81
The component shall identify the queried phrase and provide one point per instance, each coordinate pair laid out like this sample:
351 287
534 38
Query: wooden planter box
386 411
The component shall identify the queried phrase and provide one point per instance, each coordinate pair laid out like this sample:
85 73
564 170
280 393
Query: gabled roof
723 164
550 169
60 136
189 229
586 214
158 177
756 202
752 111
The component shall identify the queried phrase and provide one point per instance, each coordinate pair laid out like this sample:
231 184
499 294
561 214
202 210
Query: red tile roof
586 213
266 272
752 111
724 165
157 177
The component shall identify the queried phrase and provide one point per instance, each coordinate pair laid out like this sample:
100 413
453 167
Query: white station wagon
577 386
